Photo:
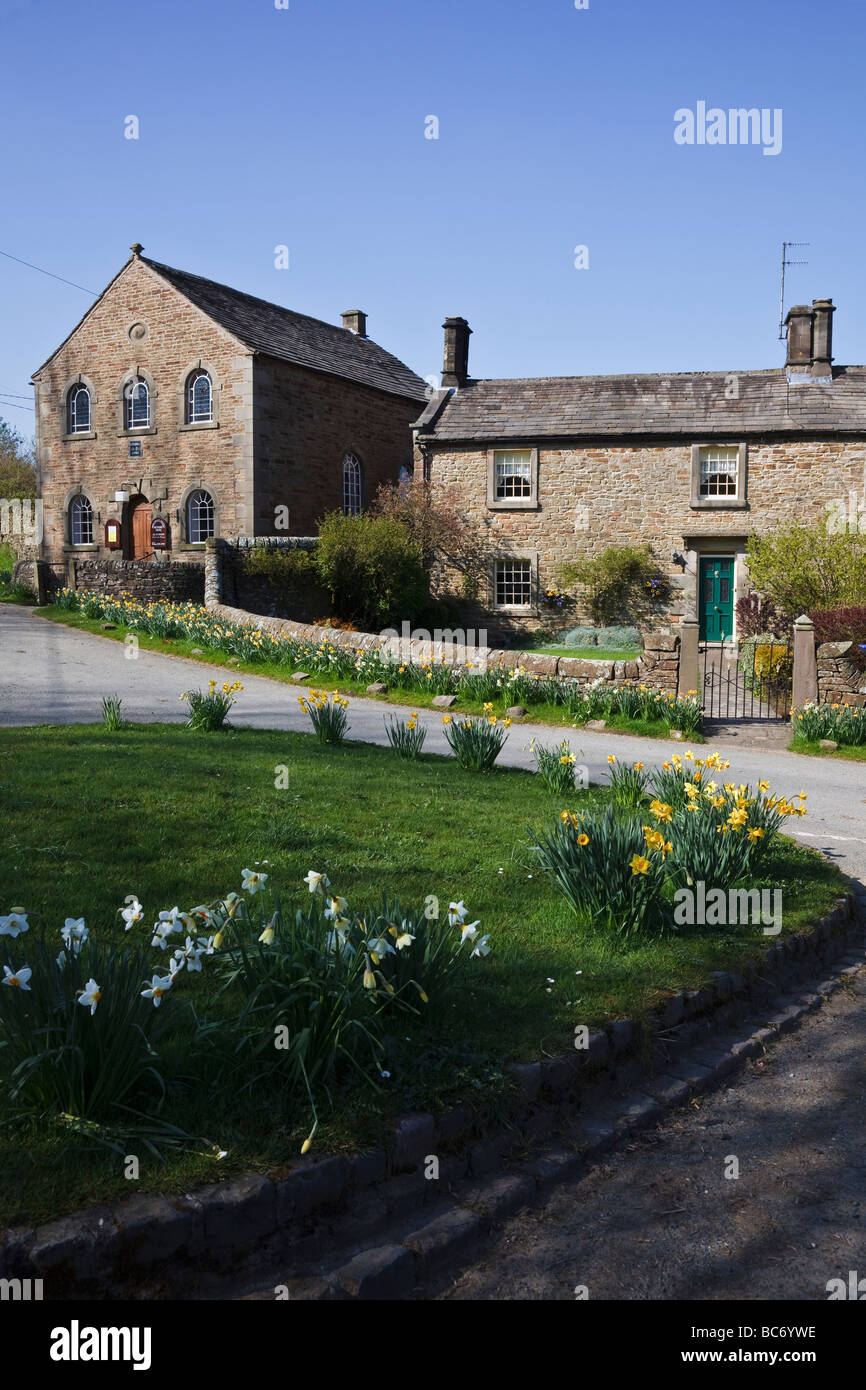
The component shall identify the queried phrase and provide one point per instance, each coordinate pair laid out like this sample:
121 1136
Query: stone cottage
692 463
179 409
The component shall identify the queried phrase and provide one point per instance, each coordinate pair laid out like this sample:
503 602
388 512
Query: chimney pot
355 321
822 337
798 323
455 362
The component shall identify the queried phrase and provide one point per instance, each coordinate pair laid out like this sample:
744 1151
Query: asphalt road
50 674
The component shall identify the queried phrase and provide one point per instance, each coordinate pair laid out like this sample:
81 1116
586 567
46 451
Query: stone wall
258 593
840 681
142 579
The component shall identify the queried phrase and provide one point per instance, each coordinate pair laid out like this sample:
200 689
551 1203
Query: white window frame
209 509
353 485
192 417
136 383
710 501
81 511
497 499
72 424
526 565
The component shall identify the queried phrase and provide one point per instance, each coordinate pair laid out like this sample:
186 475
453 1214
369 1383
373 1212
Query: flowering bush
328 714
476 743
208 711
406 738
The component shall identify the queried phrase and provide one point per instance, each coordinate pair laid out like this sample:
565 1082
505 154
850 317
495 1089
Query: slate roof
293 337
691 404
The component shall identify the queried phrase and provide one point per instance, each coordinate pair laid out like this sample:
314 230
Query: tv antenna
786 262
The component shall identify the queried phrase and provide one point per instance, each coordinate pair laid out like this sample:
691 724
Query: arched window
199 516
78 410
199 398
352 501
80 521
137 398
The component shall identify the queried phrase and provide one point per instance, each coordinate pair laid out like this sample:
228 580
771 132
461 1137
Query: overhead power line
31 266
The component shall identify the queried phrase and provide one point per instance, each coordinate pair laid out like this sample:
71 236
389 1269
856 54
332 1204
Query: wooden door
141 514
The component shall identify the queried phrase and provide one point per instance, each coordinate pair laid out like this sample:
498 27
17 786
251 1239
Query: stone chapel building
556 468
179 409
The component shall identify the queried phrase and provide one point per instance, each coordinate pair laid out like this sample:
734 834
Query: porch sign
717 598
158 533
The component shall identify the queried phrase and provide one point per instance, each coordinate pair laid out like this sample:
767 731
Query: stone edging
90 1252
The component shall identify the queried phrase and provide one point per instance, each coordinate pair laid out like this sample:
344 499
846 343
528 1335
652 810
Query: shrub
766 663
328 715
557 766
407 738
287 569
608 638
372 568
757 615
476 743
615 582
843 625
207 711
806 567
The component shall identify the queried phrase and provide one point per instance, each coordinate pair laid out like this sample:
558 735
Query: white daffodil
369 977
457 914
481 949
207 945
17 979
336 907
90 996
469 931
317 883
403 940
192 953
381 946
132 914
74 934
14 924
61 960
161 932
253 882
172 921
176 963
267 936
336 941
159 985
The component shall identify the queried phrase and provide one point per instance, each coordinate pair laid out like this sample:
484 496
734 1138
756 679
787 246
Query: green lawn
173 817
587 653
538 714
850 751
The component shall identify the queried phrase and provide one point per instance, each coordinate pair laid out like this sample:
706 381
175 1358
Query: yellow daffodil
639 864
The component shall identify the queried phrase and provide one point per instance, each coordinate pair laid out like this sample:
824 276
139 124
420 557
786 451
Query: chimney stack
355 321
455 363
810 341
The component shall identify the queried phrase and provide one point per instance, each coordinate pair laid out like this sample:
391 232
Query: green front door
717 598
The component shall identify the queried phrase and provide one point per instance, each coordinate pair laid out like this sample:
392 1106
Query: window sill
79 434
512 504
719 504
524 608
198 425
192 545
134 434
81 549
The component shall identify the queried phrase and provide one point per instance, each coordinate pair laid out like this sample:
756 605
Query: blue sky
306 127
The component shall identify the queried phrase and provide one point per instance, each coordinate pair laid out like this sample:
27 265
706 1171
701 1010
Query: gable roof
691 404
293 337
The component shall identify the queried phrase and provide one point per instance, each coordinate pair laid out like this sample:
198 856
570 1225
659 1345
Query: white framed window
513 583
199 399
80 521
513 473
199 516
718 470
137 405
352 498
78 411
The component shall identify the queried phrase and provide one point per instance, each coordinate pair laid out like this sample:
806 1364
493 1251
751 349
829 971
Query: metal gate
743 678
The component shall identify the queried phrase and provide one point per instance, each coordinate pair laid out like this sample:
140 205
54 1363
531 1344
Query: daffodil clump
628 781
208 709
329 714
305 997
407 736
670 829
842 722
556 766
476 743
